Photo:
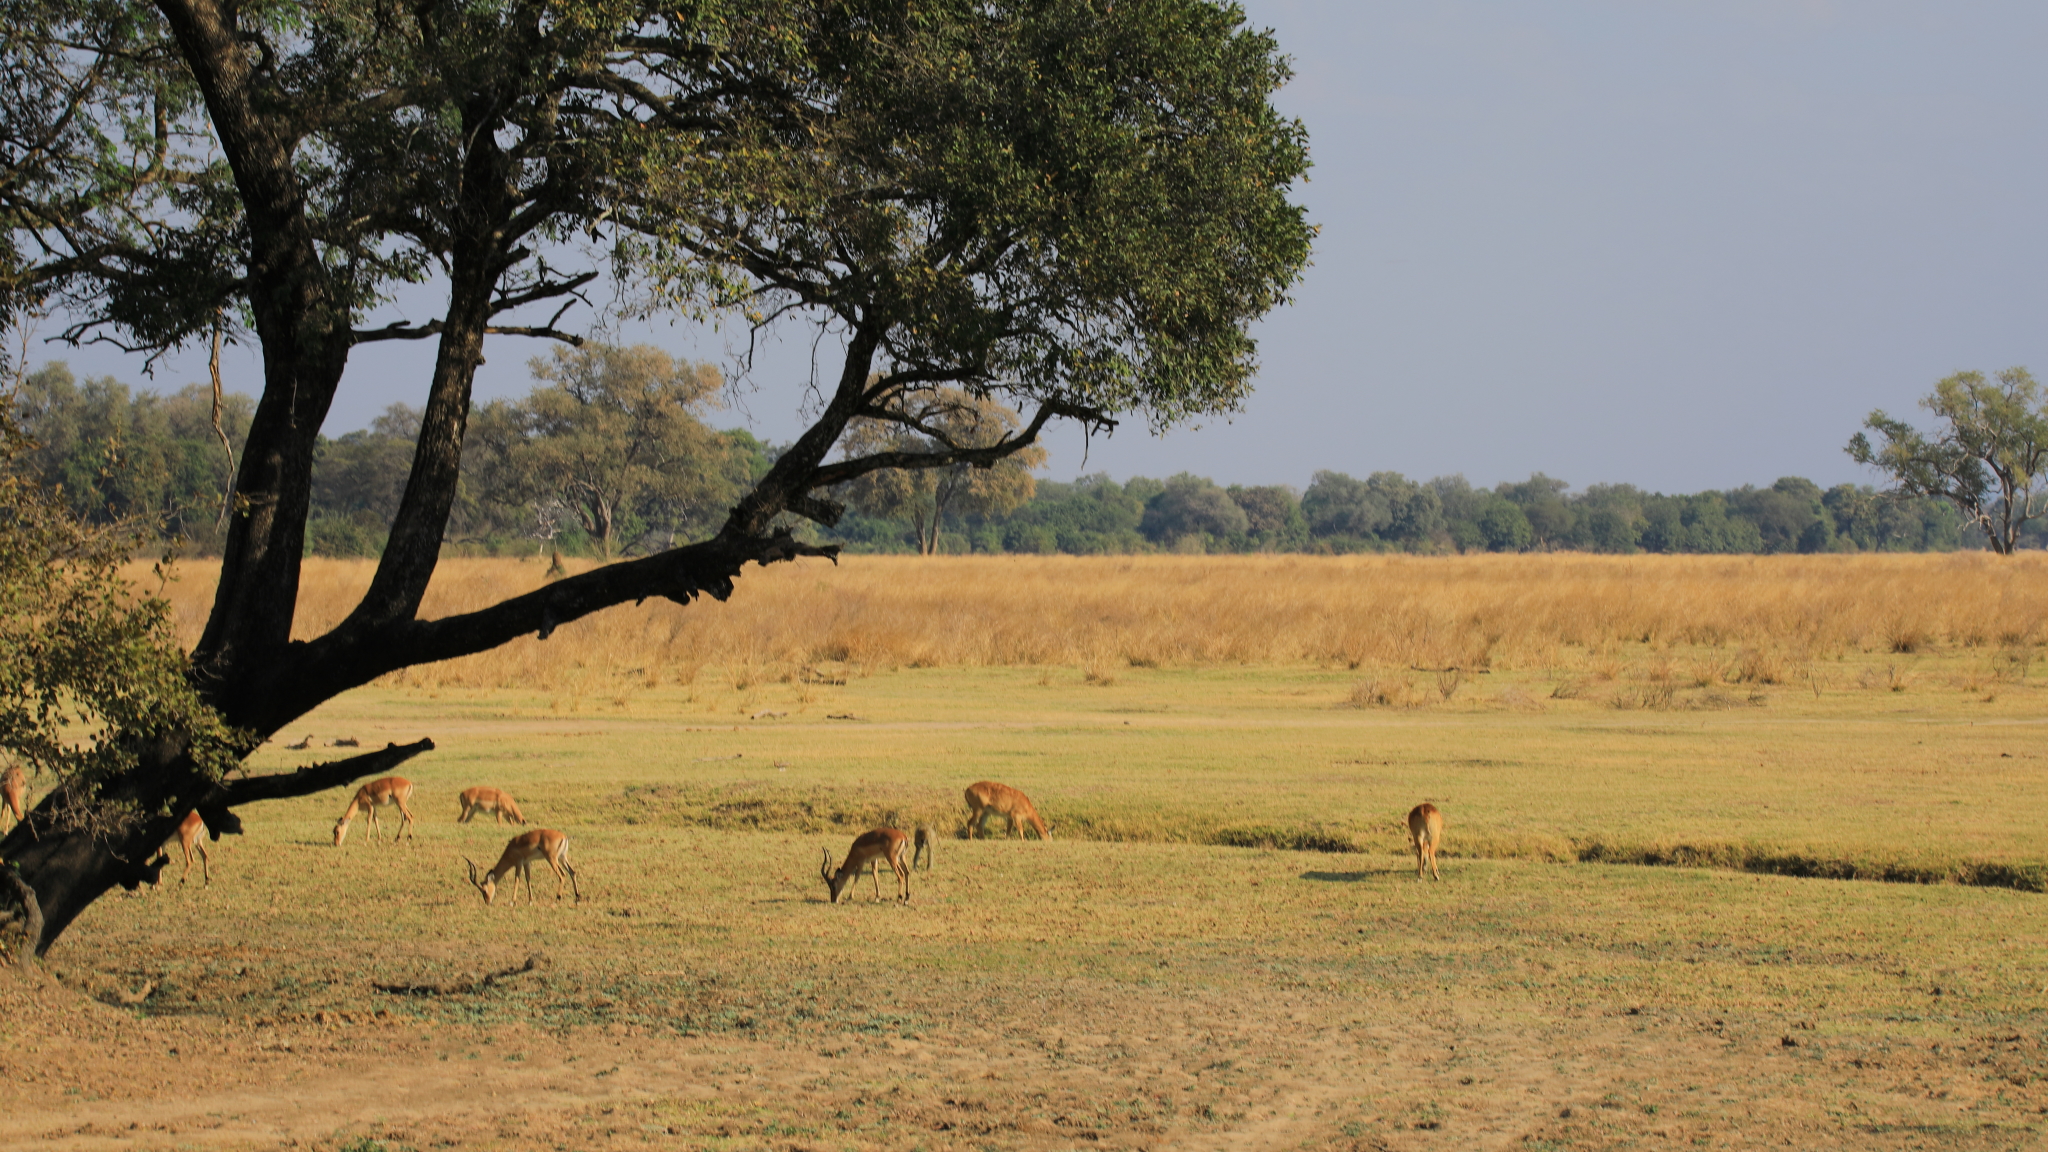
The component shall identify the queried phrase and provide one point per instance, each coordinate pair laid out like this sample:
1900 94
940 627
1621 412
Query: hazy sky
1680 245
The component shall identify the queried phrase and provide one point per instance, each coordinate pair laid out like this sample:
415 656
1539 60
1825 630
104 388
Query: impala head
488 885
837 882
340 830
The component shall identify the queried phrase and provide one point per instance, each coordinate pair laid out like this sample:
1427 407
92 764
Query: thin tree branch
844 470
312 778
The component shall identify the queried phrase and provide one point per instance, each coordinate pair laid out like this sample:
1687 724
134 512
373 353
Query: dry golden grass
1673 620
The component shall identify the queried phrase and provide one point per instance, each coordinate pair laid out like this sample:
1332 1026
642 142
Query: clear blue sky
1683 245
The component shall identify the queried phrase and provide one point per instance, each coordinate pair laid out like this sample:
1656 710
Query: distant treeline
645 471
1387 512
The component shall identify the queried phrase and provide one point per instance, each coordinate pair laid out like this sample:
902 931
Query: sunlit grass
1139 952
1684 621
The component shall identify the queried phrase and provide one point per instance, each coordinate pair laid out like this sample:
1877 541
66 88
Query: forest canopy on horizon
628 470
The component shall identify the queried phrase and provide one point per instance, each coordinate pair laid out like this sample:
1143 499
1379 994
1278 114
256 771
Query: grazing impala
498 804
987 797
883 845
372 796
13 790
189 831
924 849
539 844
1425 832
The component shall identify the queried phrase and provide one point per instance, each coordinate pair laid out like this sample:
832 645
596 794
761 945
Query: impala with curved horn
539 844
883 845
372 796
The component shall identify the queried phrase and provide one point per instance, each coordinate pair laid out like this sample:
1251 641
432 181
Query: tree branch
350 657
845 470
397 330
312 778
681 575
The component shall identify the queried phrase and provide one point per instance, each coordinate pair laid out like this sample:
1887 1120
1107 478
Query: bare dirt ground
1272 1071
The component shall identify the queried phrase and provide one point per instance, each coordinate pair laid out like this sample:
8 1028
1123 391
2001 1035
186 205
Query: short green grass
1934 778
697 832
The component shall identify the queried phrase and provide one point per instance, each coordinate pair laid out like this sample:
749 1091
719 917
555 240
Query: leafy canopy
1986 456
611 438
91 675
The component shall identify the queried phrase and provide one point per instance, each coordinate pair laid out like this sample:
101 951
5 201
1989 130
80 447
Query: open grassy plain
1225 945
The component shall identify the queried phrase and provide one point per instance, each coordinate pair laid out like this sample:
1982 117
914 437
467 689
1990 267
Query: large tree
611 437
1988 455
924 496
1077 206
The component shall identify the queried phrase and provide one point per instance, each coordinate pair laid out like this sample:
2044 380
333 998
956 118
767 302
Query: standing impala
539 844
189 831
986 797
883 845
1425 832
13 790
498 804
372 796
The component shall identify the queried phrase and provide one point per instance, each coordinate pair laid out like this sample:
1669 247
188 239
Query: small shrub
1651 696
1517 698
1568 690
1448 682
1386 692
1758 666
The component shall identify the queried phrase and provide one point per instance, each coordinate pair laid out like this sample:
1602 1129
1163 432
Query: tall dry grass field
1737 619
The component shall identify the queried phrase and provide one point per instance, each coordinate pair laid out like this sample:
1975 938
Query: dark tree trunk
246 664
69 868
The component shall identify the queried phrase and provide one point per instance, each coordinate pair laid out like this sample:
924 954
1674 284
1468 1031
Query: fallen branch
463 987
